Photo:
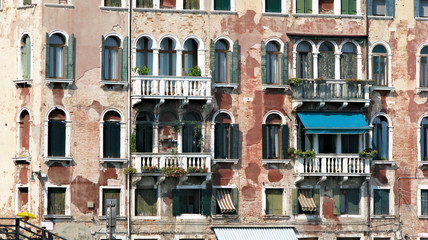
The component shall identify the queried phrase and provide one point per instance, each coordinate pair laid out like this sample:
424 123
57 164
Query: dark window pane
350 143
327 143
56 139
190 201
191 4
381 201
111 194
146 202
379 7
424 202
144 4
273 6
112 3
111 139
222 5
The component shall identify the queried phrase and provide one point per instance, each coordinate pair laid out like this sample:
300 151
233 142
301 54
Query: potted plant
173 171
306 154
291 152
425 158
194 71
129 170
150 169
197 170
142 70
368 153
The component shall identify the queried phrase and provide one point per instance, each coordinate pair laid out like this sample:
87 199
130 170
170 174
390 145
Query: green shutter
308 142
106 139
284 65
102 58
273 6
222 5
176 209
214 201
300 6
416 8
187 138
385 201
191 4
235 63
345 7
220 149
316 196
295 201
353 7
390 8
336 201
234 194
308 6
27 60
47 56
206 202
56 139
285 141
263 62
111 139
124 61
212 59
234 141
264 141
274 201
353 201
56 201
146 202
70 58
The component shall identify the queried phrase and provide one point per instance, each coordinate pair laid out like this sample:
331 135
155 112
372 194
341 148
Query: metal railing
161 160
17 228
333 164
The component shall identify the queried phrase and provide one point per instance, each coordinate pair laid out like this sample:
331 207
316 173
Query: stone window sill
326 15
23 82
26 6
58 159
59 80
381 17
218 160
50 216
114 8
113 160
108 83
275 161
382 217
223 12
158 10
274 14
53 5
382 88
275 86
225 85
22 159
383 162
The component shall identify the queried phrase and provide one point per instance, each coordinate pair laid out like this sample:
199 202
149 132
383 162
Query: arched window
145 54
221 74
190 56
24 133
424 139
380 137
56 133
304 60
326 61
192 133
111 58
275 138
167 57
57 56
273 63
424 68
226 137
144 132
111 135
25 57
168 130
348 61
380 65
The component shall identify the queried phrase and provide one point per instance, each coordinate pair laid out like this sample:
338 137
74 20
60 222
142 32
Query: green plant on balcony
306 154
173 171
425 158
129 170
151 169
194 71
382 158
296 81
142 70
133 141
291 152
197 169
368 153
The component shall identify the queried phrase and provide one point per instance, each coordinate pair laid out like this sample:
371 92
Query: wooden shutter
140 137
27 60
345 6
264 141
111 194
300 6
273 6
111 139
212 59
102 58
235 63
124 61
234 141
148 138
70 58
285 141
191 4
220 147
206 202
222 5
284 65
47 55
214 201
336 201
56 201
176 207
353 201
390 8
56 139
353 7
295 201
274 201
326 65
416 8
146 202
308 6
263 62
234 194
316 196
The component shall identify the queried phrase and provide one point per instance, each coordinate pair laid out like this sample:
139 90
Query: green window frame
146 201
381 201
56 138
274 201
114 60
26 57
111 193
191 4
111 139
56 200
303 6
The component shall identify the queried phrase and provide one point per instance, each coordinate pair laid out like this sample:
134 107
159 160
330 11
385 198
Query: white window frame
67 200
337 54
337 9
314 51
283 8
155 49
67 156
391 200
122 136
303 216
158 204
201 52
388 52
179 51
122 200
230 42
390 133
362 204
18 135
20 67
191 215
232 7
17 187
422 235
284 197
359 55
418 136
60 80
418 68
232 120
419 199
122 4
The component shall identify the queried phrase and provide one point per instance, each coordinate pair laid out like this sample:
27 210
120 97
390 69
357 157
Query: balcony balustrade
161 160
333 165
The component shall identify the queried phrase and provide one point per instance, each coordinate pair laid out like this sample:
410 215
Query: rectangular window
191 201
327 143
350 201
424 72
379 7
273 6
144 4
380 70
23 199
146 202
303 6
423 8
226 201
273 141
112 3
381 201
326 6
274 201
191 4
424 201
56 138
222 5
111 193
26 2
350 143
222 140
56 201
307 201
167 4
349 7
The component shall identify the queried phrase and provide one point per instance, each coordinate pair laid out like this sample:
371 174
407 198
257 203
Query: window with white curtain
424 68
111 59
167 58
272 63
56 56
145 54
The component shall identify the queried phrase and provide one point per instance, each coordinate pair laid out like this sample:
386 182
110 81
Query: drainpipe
128 178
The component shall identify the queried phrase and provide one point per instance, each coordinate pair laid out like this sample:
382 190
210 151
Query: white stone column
155 61
156 138
339 143
294 66
337 64
359 66
315 144
201 61
315 59
179 65
390 71
370 67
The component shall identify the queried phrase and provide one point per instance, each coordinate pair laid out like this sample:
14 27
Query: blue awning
254 233
333 123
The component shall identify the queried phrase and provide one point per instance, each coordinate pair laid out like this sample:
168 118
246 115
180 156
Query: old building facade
235 115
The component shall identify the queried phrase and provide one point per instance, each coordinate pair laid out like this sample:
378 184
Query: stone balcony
161 160
331 91
170 87
324 165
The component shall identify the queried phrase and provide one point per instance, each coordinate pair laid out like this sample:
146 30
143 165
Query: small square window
423 8
111 193
112 3
273 6
146 202
222 5
144 4
56 200
381 201
274 201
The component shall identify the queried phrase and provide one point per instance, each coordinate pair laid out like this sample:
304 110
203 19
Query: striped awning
225 201
306 200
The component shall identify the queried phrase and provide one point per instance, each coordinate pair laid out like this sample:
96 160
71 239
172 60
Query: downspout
129 175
